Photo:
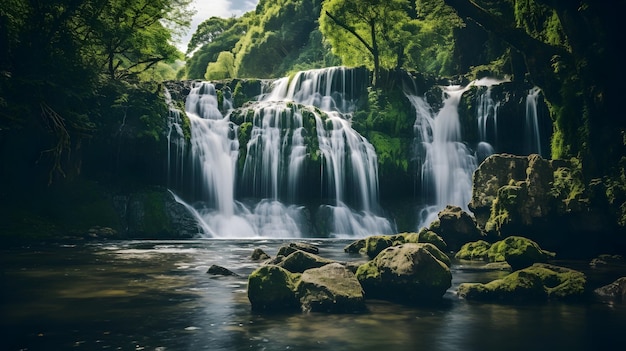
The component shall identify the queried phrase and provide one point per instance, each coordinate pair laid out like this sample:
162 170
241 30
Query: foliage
213 37
64 53
223 68
365 32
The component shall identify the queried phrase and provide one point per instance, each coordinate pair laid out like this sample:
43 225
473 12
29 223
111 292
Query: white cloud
206 9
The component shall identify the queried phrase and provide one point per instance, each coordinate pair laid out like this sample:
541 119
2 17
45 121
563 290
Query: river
156 295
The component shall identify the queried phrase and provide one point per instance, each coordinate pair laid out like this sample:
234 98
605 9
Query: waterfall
532 144
446 163
296 123
487 117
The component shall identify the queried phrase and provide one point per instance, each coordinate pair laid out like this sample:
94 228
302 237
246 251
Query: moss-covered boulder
408 273
299 261
518 251
331 288
272 288
476 250
456 227
373 245
423 236
538 282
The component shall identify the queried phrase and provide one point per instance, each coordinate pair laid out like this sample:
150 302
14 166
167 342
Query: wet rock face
549 201
408 273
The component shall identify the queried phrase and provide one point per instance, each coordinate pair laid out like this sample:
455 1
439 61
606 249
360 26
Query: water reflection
155 295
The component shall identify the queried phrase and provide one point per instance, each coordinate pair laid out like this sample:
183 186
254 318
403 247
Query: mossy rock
476 250
538 282
331 288
408 273
272 288
424 236
456 227
373 245
518 251
299 261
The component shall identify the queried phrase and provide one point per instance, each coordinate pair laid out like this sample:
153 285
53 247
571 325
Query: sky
206 9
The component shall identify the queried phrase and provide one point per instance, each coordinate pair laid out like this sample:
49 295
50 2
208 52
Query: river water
156 295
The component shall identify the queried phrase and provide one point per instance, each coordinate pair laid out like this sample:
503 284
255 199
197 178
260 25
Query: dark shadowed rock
456 227
614 292
219 270
259 255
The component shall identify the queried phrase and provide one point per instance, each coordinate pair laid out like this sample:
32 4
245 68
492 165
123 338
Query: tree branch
352 31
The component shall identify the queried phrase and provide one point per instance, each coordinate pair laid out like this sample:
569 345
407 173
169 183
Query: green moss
391 151
476 250
535 283
239 97
518 252
504 207
272 287
377 243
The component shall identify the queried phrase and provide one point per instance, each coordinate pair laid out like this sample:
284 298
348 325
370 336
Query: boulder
300 261
456 227
286 250
331 288
272 288
373 245
518 251
408 273
259 255
538 282
219 270
614 292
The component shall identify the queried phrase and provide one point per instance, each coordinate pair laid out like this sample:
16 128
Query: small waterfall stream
446 161
531 127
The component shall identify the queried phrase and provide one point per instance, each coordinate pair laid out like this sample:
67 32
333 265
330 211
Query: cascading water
277 151
532 142
446 162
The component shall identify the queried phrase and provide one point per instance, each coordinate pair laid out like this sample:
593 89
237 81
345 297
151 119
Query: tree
131 36
223 68
209 31
374 25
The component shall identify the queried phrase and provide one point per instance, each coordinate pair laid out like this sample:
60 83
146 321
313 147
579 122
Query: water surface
156 295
